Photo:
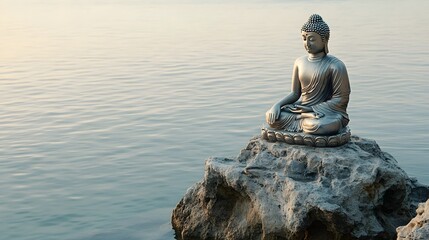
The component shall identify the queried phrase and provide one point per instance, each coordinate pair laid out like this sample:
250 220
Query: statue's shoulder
335 62
332 58
301 60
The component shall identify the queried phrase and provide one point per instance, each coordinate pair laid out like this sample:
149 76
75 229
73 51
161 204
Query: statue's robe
328 96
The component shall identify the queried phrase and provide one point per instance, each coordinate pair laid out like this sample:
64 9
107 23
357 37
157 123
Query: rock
281 191
418 227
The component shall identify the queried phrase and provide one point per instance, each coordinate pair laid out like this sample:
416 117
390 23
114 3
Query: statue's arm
340 85
274 112
295 92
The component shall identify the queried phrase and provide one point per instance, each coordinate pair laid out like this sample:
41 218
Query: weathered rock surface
281 191
418 227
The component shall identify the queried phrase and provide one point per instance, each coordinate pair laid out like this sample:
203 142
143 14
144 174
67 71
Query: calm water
109 108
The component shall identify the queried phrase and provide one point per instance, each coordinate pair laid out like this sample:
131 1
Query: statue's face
313 42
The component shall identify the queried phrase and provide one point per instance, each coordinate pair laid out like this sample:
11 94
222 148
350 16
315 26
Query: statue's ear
326 47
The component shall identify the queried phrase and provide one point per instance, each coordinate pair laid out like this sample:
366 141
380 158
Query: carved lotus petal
271 136
288 138
298 139
309 141
280 137
334 141
321 142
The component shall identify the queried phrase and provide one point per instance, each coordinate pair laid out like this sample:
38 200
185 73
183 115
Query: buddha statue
317 103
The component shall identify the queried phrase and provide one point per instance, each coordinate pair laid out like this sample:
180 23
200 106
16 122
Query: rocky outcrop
418 227
281 191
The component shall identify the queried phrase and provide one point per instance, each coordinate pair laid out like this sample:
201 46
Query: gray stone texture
281 191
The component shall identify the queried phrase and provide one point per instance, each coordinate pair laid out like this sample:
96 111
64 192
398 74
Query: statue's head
318 31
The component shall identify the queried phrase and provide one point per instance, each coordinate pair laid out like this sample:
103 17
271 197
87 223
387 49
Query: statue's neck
316 57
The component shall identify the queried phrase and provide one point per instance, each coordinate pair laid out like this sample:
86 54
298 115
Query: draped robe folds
327 94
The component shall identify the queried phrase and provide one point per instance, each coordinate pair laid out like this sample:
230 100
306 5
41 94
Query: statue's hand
272 114
310 115
304 109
